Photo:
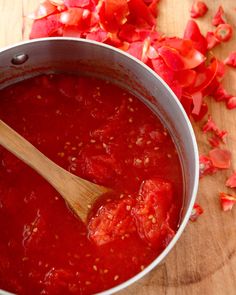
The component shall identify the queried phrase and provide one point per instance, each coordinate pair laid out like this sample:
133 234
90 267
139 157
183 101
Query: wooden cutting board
204 259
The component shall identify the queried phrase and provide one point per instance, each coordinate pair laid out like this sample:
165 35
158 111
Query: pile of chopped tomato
183 62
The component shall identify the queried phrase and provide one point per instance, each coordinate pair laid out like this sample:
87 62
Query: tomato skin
231 59
227 201
231 181
223 32
220 158
196 212
198 9
212 41
192 32
219 17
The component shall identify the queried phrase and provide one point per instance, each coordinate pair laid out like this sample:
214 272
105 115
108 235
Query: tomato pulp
100 132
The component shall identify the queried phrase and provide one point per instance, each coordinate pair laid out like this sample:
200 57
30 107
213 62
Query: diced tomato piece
151 212
231 103
231 181
196 212
198 9
227 201
206 166
231 59
223 32
192 32
219 17
46 27
112 221
45 8
211 39
113 14
171 57
220 158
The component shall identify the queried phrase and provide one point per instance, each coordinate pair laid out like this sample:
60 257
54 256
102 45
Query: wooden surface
204 259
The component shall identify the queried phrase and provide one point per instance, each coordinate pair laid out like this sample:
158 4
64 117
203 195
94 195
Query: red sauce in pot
102 133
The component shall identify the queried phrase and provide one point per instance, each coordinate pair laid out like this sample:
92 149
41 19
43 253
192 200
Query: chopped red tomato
231 59
198 9
112 221
231 103
211 39
231 181
196 212
223 32
227 201
192 32
206 166
219 17
220 158
113 14
151 212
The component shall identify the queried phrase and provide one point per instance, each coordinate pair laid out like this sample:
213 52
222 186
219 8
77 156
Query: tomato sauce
102 133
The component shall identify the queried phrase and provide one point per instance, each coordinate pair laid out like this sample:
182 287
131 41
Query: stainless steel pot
71 55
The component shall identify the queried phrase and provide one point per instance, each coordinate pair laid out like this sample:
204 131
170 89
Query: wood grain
204 259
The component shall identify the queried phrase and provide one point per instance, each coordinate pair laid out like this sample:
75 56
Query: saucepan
77 56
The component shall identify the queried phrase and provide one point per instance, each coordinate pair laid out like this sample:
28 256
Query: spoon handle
25 151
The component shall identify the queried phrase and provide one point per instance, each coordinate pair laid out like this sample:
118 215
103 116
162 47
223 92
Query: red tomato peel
227 201
231 59
220 158
196 212
231 181
223 32
212 41
219 17
192 32
198 9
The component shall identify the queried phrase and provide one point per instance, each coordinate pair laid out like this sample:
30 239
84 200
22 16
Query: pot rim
185 220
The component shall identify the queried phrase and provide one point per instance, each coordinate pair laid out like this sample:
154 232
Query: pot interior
90 58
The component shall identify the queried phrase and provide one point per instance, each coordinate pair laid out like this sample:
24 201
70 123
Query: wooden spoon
79 193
